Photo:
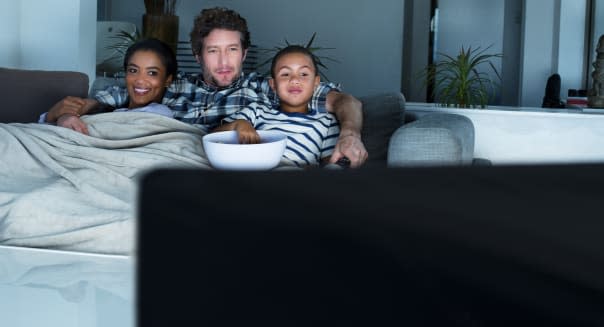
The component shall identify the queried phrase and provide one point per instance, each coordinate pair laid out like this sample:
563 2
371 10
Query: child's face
294 81
146 79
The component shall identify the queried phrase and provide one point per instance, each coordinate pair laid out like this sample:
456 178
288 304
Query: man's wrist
349 133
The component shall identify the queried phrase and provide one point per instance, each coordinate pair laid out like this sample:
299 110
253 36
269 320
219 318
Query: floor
57 288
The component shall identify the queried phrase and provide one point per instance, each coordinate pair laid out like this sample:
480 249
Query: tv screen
484 246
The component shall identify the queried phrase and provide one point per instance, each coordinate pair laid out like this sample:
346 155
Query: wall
510 63
537 51
597 32
367 35
495 23
415 49
49 35
530 135
471 23
571 48
537 38
10 31
553 42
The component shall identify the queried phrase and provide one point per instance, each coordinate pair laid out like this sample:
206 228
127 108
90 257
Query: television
375 246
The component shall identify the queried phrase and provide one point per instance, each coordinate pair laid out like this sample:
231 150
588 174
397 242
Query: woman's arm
73 106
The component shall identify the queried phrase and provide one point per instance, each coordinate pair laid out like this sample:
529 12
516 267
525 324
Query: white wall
571 48
553 42
472 23
49 35
367 35
537 51
537 38
598 31
510 63
10 11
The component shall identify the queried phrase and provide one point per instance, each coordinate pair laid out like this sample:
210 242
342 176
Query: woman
150 66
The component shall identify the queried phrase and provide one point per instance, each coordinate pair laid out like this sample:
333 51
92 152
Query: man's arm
349 112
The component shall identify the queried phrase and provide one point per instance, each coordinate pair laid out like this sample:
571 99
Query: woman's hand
70 106
72 122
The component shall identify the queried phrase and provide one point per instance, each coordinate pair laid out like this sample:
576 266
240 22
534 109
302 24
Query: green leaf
457 80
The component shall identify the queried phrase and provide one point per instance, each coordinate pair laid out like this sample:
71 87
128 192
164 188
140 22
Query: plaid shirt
194 101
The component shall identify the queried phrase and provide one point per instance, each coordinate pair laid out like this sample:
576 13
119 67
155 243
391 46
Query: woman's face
146 78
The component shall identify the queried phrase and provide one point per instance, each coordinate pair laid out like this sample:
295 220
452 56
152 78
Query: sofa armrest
432 140
28 93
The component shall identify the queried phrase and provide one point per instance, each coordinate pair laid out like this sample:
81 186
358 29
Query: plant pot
162 27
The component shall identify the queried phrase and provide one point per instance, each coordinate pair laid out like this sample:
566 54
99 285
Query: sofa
391 138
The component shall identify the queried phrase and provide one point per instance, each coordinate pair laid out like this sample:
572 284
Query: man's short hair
217 18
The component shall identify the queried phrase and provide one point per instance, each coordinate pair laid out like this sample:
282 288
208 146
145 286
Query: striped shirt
194 101
310 136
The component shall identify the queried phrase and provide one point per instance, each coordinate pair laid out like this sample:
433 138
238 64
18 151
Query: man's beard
211 80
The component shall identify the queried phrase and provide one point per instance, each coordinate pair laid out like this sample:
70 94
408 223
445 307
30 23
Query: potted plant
160 21
271 52
458 82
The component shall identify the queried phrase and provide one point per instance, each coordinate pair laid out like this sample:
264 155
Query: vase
162 27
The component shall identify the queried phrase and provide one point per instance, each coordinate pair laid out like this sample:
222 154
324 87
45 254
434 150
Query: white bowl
224 151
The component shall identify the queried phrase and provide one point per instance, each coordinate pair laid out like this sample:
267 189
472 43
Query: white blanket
64 190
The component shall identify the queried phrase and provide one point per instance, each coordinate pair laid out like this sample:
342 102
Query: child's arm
246 132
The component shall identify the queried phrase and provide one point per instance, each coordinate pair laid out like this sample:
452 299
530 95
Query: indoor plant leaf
458 81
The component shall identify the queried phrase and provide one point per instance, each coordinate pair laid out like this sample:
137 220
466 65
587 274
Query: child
311 135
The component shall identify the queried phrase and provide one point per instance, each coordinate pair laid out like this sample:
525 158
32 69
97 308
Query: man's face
221 57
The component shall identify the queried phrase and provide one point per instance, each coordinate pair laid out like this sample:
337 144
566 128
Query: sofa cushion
28 93
434 139
382 115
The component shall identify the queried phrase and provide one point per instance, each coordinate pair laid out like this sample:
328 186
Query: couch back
28 93
383 114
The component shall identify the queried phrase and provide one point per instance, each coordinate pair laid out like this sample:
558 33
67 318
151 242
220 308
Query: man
220 40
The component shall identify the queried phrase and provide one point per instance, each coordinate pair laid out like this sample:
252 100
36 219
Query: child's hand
72 122
246 132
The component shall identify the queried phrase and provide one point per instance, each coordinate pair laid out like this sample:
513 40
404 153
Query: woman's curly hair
217 18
